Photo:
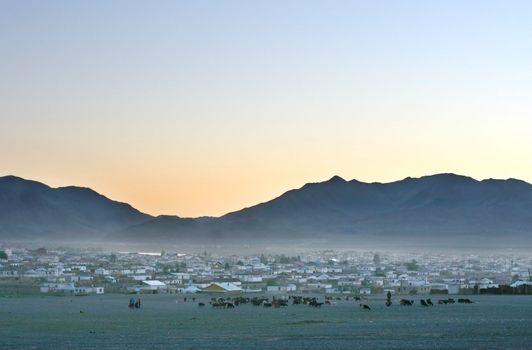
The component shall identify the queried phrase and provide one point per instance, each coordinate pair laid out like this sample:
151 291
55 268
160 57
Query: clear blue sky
202 107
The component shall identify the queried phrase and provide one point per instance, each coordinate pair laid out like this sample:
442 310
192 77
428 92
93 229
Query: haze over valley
446 209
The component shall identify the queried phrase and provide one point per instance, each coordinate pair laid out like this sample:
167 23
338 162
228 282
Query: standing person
131 303
389 299
138 301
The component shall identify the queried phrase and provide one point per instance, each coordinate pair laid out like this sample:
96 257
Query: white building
190 290
153 286
70 288
281 289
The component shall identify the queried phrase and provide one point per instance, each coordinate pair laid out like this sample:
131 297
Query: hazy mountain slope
443 205
31 209
438 205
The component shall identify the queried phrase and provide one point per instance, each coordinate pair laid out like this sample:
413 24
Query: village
350 273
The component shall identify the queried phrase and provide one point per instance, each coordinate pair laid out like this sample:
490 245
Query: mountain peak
30 209
449 177
13 178
336 179
17 183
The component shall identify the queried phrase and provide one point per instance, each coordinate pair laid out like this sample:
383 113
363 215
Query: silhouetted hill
439 206
30 209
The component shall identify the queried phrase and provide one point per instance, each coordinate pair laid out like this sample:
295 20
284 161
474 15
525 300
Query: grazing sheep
365 307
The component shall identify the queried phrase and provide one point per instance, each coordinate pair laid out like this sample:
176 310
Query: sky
199 108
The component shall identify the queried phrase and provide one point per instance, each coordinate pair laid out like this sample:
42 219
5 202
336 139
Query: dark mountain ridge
30 209
442 206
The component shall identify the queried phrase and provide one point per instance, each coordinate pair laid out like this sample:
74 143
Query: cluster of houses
321 272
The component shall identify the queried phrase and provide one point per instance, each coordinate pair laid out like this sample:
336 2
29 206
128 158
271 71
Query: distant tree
379 272
240 263
112 258
3 255
41 251
263 259
163 253
412 265
183 265
227 266
283 259
272 282
376 259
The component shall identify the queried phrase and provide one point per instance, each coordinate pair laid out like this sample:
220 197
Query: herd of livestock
428 302
232 302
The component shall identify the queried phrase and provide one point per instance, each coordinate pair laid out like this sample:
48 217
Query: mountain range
30 210
442 206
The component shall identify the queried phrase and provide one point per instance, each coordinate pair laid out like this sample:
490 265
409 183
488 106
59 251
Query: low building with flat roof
222 287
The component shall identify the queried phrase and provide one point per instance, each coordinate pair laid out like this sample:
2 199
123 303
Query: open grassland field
166 322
